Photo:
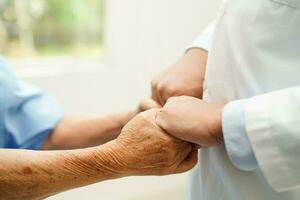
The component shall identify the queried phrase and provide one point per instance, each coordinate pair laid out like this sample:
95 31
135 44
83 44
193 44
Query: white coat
255 55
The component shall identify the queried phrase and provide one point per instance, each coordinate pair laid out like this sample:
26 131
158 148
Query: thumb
161 120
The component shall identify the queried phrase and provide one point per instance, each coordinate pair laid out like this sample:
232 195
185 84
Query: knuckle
171 91
154 83
161 87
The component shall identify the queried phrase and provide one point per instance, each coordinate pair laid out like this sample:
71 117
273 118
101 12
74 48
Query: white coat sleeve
204 40
273 127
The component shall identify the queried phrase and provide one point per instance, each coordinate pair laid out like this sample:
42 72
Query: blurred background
98 57
50 27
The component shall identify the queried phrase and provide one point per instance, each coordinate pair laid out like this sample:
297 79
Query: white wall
142 37
153 33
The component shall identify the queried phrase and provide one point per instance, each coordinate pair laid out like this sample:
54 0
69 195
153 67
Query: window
50 27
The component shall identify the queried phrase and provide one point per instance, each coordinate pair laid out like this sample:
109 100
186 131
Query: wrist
111 157
196 60
77 167
216 131
196 56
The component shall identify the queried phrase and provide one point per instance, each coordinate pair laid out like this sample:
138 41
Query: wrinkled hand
145 149
192 120
183 78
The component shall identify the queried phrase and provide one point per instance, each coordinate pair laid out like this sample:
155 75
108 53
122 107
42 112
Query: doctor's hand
183 78
145 149
192 120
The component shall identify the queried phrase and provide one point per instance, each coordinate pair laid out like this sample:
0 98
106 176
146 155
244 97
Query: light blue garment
27 114
237 143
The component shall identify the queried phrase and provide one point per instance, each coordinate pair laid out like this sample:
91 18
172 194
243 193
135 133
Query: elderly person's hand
185 77
141 149
145 149
192 120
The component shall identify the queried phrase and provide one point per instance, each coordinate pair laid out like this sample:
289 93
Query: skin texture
183 78
38 174
142 149
169 154
192 120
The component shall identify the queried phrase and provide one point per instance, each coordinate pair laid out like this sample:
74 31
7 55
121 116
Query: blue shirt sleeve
236 139
27 114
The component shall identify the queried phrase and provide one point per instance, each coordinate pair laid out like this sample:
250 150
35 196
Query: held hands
187 118
145 149
192 120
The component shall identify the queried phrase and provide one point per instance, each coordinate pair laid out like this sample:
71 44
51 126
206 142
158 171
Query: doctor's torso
255 50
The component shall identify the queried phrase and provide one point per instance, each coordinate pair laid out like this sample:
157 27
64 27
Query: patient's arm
74 133
37 174
142 149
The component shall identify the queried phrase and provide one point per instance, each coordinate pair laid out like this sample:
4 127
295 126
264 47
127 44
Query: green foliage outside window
35 27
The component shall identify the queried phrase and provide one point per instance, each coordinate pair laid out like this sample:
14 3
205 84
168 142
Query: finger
185 153
196 147
160 119
164 98
161 100
154 94
188 163
169 93
148 104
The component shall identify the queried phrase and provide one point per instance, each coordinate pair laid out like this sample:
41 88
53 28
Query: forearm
196 57
72 133
35 175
